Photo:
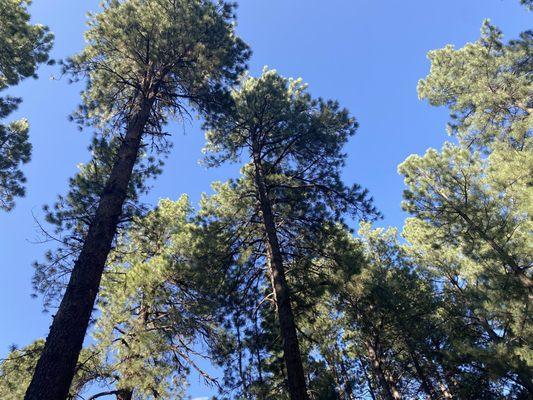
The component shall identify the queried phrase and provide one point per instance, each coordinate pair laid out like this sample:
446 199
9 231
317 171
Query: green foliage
471 229
486 85
156 309
471 207
24 46
444 315
171 51
162 52
298 139
15 149
17 368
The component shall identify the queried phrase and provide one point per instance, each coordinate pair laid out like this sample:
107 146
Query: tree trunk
388 389
336 364
425 381
335 374
125 394
56 366
291 349
348 391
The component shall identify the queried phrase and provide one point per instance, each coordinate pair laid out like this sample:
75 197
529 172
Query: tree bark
291 349
56 366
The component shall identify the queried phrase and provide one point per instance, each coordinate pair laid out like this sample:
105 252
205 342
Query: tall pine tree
290 191
143 61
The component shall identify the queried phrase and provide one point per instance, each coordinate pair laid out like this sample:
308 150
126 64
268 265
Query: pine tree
24 46
143 60
156 305
472 232
471 206
289 193
156 309
487 87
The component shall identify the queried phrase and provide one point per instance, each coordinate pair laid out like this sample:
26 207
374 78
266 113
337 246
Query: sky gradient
367 54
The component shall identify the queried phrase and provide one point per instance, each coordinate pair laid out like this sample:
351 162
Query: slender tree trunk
388 388
425 381
367 378
345 376
56 366
447 382
340 375
291 349
338 384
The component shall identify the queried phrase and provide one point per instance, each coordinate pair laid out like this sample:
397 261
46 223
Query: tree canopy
267 278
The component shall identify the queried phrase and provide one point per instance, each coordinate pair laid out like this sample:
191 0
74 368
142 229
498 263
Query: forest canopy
283 282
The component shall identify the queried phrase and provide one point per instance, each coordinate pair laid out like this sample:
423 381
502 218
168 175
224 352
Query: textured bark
56 366
291 349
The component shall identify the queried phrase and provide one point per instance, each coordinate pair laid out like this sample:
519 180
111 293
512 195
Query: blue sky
368 54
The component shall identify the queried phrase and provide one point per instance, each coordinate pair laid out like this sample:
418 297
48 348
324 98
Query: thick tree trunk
291 349
55 369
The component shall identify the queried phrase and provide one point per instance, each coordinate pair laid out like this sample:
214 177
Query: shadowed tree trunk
124 394
340 375
291 349
348 392
388 388
368 380
55 369
425 381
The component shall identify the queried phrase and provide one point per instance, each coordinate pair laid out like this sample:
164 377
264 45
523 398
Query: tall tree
471 202
290 191
24 46
144 58
472 229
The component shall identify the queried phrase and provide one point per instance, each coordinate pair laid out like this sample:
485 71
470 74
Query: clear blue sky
368 54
